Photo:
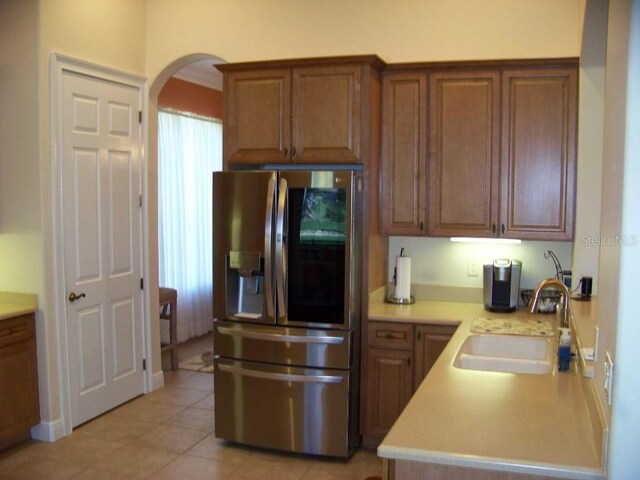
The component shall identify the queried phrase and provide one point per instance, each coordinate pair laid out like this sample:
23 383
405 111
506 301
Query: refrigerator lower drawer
294 409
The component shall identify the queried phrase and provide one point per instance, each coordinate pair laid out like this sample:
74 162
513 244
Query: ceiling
202 73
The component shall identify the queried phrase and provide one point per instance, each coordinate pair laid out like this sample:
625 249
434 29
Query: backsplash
439 261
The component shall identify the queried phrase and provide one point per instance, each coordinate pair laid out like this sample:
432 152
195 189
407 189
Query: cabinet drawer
391 335
16 329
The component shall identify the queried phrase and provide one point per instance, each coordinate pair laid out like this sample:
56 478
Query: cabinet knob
294 152
502 229
421 226
286 152
388 336
493 228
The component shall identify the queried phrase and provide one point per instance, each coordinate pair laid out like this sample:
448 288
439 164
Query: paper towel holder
391 289
400 301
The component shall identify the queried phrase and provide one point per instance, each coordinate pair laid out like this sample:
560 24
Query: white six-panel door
101 187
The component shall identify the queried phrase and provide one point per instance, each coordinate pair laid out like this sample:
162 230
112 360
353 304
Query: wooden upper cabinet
326 119
404 162
539 153
311 111
257 112
464 148
503 152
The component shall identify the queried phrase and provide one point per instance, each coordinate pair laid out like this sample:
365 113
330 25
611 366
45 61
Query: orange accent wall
191 97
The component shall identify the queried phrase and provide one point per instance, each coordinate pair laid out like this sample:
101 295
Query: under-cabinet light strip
485 240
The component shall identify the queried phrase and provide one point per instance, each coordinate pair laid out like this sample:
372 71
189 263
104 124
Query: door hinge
140 201
144 364
139 116
142 284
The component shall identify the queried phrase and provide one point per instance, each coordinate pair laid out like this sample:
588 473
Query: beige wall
21 243
106 32
398 31
591 126
20 247
612 182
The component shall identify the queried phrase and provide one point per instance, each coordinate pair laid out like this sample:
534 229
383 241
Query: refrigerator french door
286 306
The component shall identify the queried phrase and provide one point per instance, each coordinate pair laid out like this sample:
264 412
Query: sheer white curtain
189 150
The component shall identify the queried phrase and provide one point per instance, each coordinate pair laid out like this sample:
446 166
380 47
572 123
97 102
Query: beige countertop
14 304
532 424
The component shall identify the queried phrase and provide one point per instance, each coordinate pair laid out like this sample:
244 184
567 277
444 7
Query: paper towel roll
403 277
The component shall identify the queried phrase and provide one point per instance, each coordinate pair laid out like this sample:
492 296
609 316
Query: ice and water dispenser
244 285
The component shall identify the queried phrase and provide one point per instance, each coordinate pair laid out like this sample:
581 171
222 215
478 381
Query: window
189 150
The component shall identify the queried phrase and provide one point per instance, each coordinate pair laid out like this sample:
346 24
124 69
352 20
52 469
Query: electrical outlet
473 268
608 376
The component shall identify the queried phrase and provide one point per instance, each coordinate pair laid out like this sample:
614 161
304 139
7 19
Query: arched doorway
190 66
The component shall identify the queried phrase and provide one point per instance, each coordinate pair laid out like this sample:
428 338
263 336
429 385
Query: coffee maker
501 285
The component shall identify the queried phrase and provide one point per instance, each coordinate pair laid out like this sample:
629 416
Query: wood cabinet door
326 120
430 342
404 162
19 405
257 116
464 153
389 388
539 153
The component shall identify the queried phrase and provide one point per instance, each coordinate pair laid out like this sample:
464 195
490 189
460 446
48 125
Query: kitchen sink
506 353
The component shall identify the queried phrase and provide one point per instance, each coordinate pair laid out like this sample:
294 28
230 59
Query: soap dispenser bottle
564 350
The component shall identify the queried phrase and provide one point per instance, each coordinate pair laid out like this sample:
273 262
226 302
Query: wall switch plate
608 376
473 268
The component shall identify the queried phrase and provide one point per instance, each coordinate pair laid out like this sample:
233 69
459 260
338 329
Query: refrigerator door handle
283 377
278 337
281 254
268 254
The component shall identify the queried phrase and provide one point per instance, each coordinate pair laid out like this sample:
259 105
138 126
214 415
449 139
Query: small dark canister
585 286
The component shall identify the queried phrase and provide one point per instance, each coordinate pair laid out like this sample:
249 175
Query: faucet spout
564 293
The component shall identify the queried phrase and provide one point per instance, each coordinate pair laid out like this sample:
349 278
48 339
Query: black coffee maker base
499 308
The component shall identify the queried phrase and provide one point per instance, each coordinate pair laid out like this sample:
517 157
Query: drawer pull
389 336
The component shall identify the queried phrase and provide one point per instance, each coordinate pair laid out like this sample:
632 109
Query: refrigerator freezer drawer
301 410
283 345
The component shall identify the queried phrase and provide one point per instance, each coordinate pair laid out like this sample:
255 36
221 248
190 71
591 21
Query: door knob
73 297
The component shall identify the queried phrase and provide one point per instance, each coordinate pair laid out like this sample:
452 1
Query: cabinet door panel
404 131
326 114
19 407
389 388
257 116
464 149
430 342
538 153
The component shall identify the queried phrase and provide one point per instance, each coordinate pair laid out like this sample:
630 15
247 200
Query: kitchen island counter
505 423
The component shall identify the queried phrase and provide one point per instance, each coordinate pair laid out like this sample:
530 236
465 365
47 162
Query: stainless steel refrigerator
286 300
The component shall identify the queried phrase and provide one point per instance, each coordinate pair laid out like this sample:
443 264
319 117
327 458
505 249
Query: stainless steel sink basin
506 353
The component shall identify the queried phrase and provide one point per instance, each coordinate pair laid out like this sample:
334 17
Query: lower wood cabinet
19 405
399 356
430 342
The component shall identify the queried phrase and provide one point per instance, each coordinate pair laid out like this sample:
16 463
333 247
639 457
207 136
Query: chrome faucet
553 282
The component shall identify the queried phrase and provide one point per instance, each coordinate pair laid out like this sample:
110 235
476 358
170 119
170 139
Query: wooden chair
168 311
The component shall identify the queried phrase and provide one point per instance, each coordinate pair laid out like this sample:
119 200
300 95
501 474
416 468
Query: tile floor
168 434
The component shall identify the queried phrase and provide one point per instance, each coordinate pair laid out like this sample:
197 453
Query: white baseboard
157 380
48 431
